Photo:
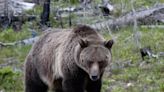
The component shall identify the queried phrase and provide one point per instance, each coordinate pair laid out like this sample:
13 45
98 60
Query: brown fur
56 56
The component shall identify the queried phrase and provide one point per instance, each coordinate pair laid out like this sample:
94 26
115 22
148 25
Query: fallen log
28 41
18 6
6 44
141 16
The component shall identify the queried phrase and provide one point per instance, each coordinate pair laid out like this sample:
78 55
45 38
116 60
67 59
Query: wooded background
136 26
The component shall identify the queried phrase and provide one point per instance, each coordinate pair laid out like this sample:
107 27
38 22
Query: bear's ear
83 43
109 44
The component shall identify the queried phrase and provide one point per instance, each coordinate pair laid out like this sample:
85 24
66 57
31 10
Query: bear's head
93 58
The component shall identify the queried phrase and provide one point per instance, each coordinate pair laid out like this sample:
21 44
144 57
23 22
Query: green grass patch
146 76
10 80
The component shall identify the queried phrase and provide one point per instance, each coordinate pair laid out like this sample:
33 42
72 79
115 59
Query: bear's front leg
73 85
94 86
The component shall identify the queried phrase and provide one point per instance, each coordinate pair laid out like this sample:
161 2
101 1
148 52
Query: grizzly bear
68 61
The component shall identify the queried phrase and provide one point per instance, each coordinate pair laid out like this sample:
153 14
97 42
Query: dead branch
6 44
28 41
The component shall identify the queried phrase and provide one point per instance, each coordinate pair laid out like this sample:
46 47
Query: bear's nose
94 78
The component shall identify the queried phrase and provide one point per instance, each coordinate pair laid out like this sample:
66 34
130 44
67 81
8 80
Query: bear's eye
101 63
90 63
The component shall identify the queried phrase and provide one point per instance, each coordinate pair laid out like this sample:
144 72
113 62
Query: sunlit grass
9 35
145 75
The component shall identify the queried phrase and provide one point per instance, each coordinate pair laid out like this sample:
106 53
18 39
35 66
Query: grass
144 76
9 80
11 76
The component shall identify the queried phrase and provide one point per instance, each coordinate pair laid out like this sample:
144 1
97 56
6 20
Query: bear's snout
94 77
94 72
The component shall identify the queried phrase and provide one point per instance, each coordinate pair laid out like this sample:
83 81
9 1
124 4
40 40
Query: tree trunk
46 13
